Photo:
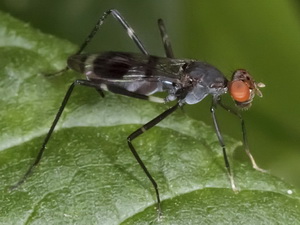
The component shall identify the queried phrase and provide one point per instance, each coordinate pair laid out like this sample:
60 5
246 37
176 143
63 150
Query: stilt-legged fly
139 75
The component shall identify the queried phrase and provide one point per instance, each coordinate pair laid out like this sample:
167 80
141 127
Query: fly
140 75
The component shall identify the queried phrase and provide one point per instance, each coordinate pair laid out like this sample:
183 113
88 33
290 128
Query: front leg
245 139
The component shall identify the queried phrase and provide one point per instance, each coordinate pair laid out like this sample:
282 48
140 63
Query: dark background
260 36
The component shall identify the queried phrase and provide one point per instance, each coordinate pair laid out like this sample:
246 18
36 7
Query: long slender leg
57 117
122 21
140 131
57 73
117 15
100 92
245 140
220 138
165 39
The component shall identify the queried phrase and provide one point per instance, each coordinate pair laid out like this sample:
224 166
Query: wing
134 72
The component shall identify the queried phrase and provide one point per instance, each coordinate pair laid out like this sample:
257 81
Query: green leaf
88 175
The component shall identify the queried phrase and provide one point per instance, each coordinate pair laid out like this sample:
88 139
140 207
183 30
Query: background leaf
88 173
262 37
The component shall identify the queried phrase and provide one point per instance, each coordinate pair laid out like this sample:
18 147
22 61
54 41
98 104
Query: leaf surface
88 175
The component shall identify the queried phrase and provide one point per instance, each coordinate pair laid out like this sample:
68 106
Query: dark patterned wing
134 72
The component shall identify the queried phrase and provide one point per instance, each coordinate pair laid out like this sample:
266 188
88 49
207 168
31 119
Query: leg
165 39
140 131
57 73
123 22
58 115
100 92
245 140
99 23
220 138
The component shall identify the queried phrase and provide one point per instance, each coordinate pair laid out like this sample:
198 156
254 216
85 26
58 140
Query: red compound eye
239 91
